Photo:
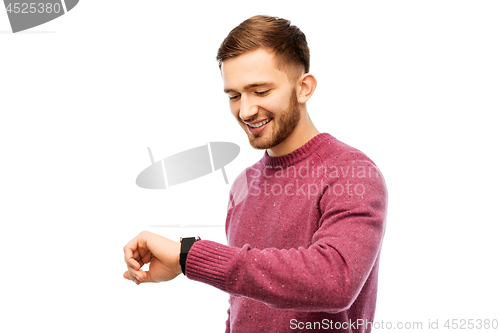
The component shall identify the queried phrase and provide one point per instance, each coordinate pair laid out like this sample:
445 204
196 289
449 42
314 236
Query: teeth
259 124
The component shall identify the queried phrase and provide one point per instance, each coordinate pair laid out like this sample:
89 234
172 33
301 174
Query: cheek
275 104
234 110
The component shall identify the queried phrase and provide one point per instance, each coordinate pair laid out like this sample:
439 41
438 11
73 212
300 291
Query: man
304 224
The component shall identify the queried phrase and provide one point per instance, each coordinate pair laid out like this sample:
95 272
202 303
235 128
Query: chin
262 141
257 144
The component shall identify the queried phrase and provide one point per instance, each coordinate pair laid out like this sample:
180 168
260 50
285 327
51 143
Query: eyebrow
250 86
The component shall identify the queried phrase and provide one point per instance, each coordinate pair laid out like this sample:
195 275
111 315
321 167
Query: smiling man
266 102
304 224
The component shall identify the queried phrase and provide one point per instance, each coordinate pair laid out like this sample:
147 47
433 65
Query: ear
306 86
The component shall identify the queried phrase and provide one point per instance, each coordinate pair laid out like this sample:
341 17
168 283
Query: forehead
249 68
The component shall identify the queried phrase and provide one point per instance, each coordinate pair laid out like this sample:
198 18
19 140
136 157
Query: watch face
186 243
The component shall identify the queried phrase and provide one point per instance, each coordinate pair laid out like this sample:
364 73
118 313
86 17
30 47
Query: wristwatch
186 243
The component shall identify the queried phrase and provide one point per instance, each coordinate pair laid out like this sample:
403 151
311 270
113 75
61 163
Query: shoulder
345 166
335 153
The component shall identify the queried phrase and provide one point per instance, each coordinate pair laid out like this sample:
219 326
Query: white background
413 84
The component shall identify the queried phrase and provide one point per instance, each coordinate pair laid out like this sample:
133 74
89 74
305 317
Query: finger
143 249
141 258
129 276
130 256
147 278
137 274
137 253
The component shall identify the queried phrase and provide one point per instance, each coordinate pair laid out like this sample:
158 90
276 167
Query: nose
247 108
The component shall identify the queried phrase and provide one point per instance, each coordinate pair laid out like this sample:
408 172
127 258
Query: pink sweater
304 235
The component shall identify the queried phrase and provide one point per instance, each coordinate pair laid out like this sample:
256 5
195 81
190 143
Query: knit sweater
304 234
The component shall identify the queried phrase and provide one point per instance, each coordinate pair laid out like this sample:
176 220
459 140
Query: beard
283 125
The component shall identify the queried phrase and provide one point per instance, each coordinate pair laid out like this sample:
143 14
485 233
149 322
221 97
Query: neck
304 132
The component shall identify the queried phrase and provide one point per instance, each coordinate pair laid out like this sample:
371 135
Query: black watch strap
186 244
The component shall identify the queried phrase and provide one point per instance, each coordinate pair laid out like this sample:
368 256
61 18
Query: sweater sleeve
326 276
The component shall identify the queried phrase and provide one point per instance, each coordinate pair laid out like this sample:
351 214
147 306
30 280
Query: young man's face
261 98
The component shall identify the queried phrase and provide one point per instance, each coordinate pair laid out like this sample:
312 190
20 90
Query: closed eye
262 92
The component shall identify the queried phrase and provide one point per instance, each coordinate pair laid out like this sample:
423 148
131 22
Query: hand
162 253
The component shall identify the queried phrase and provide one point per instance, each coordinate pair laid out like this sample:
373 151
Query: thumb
148 278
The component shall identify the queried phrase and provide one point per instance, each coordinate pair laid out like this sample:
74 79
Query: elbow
341 294
332 296
323 301
339 302
342 303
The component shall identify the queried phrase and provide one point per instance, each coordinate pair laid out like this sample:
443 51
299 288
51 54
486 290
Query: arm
326 276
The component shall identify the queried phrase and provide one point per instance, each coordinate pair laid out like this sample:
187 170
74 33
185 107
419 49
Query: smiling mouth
259 124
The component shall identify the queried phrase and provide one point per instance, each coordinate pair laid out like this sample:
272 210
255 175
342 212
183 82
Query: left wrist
178 261
185 245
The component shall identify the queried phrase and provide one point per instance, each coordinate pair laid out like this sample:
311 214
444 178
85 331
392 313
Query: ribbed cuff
209 262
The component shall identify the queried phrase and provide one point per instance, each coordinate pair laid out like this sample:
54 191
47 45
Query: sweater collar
297 155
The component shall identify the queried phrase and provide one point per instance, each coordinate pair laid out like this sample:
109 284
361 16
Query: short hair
277 35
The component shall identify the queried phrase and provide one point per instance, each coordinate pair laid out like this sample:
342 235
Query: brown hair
272 33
